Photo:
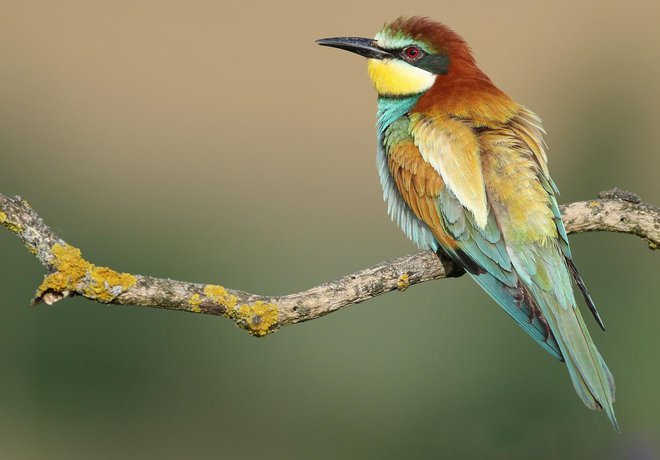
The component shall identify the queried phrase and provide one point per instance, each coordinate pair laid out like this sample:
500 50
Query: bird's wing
527 127
521 195
511 243
479 249
453 150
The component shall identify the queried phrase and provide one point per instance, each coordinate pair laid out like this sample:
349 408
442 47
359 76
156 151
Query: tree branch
70 274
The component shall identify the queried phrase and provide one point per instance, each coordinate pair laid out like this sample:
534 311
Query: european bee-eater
464 171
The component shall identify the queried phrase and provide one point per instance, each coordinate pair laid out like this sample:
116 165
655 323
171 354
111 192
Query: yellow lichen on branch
258 318
11 226
403 282
219 295
195 302
75 274
106 284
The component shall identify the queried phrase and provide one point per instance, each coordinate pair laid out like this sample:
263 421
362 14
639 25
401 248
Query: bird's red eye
412 52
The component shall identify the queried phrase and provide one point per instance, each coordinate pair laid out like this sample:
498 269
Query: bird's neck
391 109
467 92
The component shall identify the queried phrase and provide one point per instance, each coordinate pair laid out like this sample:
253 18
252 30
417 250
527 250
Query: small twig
70 274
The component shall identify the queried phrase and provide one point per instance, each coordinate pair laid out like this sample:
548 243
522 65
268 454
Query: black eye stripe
434 63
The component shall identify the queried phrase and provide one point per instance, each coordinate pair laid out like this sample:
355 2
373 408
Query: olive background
214 142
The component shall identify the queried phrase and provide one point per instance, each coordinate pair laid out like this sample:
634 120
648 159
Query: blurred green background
215 142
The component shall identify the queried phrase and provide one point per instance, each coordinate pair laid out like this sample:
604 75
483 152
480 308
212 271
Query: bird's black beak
366 47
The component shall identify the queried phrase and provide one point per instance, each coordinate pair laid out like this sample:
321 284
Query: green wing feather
520 253
484 255
551 291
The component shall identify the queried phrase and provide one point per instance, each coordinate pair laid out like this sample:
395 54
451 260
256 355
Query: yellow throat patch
392 77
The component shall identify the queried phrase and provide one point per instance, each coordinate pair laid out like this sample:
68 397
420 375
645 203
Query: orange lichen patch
403 282
75 274
11 226
257 318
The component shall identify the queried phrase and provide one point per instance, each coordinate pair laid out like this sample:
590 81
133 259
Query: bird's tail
569 338
544 306
592 379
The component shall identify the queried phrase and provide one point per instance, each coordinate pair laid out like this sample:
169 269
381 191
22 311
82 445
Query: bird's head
408 55
420 57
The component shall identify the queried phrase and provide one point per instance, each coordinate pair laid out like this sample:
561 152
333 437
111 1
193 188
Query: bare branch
70 274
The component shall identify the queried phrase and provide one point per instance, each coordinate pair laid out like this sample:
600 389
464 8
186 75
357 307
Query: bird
464 173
